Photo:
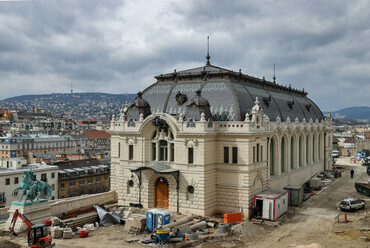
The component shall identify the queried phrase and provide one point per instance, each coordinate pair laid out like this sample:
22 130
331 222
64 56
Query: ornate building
206 140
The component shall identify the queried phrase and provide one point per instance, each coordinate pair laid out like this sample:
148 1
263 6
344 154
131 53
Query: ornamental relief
191 142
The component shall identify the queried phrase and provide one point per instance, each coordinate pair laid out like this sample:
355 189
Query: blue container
163 235
162 218
151 219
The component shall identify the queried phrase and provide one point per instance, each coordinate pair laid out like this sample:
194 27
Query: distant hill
352 113
78 106
79 97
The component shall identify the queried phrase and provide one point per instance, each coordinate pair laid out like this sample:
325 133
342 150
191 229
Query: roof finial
208 57
274 78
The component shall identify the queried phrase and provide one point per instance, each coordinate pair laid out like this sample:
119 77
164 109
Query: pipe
179 222
198 225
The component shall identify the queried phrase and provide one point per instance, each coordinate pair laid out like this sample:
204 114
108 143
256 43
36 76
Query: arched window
313 148
291 153
190 193
306 162
300 146
282 155
319 146
272 157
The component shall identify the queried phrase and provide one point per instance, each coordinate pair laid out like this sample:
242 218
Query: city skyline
119 46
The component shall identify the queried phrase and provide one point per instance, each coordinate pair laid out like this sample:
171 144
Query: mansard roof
230 94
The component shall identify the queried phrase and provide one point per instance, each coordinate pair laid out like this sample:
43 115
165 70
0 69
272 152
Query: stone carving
31 187
158 122
202 117
190 123
181 117
181 98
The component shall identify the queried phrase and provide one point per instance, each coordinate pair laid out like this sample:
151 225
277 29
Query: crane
37 234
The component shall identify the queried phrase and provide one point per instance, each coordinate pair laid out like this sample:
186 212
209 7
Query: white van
335 154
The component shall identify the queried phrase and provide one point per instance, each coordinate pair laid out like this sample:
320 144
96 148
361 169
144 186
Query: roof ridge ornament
208 57
274 78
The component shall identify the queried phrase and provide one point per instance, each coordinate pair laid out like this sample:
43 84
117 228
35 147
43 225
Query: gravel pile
249 229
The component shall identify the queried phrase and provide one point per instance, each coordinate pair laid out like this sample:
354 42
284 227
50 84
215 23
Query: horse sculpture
31 188
25 183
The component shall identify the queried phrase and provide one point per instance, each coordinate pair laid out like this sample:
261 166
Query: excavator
37 234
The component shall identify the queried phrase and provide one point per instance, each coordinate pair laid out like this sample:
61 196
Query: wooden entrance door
161 193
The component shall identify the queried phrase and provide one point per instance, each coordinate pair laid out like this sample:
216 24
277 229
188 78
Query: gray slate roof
230 94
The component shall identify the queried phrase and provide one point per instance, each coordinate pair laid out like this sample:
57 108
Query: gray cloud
118 46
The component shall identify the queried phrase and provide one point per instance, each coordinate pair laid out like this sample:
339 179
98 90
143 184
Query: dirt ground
314 222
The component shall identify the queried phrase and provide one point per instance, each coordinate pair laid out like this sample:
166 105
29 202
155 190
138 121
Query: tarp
106 218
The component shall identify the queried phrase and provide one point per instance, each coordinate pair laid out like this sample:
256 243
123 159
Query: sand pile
8 244
249 229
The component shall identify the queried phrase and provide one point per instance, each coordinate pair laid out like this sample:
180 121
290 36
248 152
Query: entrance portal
161 193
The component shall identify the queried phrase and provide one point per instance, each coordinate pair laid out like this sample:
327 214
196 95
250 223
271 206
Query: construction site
318 222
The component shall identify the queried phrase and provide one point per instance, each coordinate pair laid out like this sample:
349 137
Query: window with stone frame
16 180
226 154
163 150
190 155
190 193
131 152
7 181
172 157
154 151
235 155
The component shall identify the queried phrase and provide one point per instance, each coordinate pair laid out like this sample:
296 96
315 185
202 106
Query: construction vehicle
37 234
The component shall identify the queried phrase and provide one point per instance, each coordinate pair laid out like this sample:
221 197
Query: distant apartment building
11 174
81 177
98 140
87 125
27 146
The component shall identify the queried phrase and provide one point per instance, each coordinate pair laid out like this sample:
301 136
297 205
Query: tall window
258 153
131 152
291 153
313 148
163 152
306 149
235 155
261 159
272 157
226 155
282 155
172 157
43 177
300 151
154 151
190 155
319 146
254 154
119 149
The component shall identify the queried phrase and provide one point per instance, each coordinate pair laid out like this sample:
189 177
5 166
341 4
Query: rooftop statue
33 189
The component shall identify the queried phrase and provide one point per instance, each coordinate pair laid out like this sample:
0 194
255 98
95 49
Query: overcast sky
119 46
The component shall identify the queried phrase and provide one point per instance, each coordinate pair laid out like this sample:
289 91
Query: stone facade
215 164
219 186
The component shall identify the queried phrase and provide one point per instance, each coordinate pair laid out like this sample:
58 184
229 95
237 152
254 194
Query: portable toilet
163 218
151 218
